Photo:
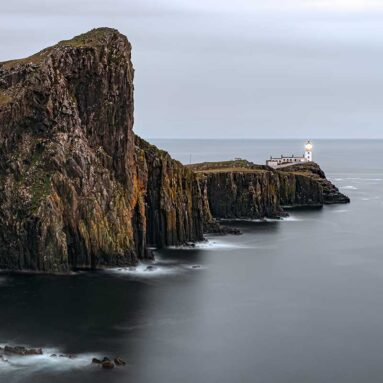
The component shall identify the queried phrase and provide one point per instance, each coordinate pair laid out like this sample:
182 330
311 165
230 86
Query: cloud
271 68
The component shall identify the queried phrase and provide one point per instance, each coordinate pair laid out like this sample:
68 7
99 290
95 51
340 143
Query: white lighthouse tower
309 151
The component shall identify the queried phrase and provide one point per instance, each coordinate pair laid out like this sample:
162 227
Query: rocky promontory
78 189
241 189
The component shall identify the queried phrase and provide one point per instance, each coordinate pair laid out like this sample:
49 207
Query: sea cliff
241 189
78 189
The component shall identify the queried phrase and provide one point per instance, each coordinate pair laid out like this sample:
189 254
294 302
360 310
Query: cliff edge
77 188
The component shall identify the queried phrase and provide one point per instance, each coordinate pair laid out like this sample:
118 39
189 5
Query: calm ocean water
299 300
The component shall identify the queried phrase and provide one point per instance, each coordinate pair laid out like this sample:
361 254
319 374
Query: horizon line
266 138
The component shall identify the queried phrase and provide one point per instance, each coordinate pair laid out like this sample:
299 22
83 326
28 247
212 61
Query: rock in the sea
107 364
21 350
119 361
96 361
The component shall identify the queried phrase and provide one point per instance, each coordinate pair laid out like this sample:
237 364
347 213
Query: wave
348 187
290 218
46 361
143 270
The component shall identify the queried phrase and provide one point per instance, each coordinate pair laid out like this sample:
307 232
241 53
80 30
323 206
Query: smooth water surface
298 300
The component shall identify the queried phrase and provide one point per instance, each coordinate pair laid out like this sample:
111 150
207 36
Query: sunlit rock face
75 189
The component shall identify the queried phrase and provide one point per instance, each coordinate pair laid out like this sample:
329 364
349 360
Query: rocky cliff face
313 174
75 189
173 198
242 194
241 189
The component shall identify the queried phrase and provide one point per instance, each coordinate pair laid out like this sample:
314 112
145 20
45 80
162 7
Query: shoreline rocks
22 351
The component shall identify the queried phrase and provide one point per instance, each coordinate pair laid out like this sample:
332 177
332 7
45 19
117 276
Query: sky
230 69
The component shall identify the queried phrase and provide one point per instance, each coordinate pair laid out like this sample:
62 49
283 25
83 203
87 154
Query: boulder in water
108 364
21 350
119 361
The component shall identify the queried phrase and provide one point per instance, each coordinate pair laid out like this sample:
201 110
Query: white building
276 162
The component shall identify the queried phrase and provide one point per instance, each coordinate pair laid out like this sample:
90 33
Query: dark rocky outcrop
312 171
21 350
76 189
241 189
172 196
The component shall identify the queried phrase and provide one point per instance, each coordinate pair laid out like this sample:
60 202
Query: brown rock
119 362
108 364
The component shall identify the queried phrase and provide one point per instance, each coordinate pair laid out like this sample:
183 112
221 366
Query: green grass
91 39
230 170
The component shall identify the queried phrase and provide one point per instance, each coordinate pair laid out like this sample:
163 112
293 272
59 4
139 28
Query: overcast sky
220 68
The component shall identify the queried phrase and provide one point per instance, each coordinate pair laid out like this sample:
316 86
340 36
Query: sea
298 300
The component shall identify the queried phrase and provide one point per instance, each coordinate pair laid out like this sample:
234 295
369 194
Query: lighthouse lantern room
309 151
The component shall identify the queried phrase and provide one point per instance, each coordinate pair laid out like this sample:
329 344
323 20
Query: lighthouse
309 151
278 162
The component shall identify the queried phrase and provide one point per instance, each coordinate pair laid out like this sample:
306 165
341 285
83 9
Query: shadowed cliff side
174 211
311 170
241 189
74 189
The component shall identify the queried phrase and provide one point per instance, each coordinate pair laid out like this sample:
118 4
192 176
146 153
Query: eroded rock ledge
79 189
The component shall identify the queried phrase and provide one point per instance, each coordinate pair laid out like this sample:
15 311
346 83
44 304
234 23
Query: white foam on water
348 187
36 363
290 218
147 271
219 244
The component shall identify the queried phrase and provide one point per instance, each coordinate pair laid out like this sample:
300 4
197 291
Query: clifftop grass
239 165
93 38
